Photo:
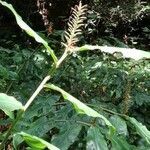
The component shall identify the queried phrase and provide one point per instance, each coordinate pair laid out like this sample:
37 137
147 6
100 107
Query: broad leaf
67 136
28 30
95 139
8 104
141 129
36 143
40 126
119 124
79 106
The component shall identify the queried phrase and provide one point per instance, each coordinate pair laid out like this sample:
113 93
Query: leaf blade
36 142
119 143
141 129
67 136
8 104
81 107
29 30
126 52
95 139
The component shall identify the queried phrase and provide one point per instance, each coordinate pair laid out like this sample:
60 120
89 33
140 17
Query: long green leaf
28 30
79 106
36 143
141 129
8 104
95 139
126 52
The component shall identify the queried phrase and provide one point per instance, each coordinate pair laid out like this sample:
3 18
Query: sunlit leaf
37 143
126 52
8 104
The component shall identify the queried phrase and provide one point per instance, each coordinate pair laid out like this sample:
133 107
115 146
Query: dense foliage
110 93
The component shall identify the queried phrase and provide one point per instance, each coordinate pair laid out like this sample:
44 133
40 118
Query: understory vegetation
78 83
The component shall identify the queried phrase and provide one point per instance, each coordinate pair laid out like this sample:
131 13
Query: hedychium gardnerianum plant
70 36
70 39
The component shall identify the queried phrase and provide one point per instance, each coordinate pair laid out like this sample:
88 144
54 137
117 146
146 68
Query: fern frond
74 26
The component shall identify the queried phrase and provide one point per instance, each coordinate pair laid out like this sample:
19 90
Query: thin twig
107 110
80 122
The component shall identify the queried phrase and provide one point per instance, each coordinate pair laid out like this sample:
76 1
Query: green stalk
34 95
65 54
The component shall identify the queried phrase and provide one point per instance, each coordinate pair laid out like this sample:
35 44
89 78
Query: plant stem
84 123
65 54
79 122
40 87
